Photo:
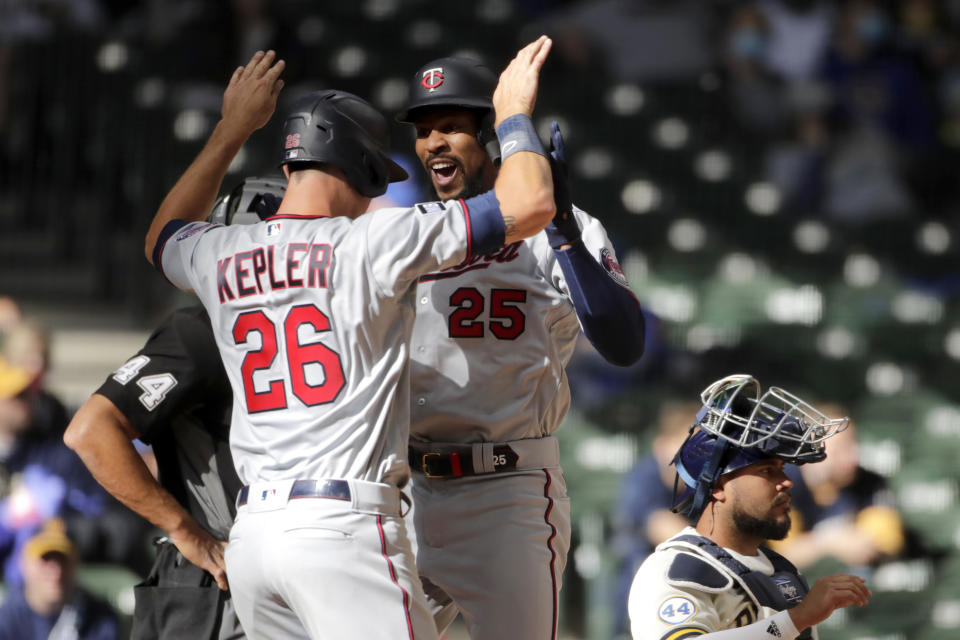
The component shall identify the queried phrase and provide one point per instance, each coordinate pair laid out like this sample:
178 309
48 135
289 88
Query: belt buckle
424 465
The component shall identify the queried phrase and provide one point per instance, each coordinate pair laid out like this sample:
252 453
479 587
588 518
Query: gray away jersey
491 342
313 317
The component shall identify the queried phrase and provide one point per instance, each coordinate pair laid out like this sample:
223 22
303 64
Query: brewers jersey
312 317
666 604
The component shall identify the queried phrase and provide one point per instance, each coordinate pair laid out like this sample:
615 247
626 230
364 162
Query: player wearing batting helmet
312 311
716 579
491 339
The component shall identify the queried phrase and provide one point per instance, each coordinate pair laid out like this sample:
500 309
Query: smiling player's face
448 148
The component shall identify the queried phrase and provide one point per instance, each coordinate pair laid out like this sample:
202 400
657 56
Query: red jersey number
301 358
507 319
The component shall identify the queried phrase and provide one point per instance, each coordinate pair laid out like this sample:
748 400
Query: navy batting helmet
738 426
341 129
252 200
460 83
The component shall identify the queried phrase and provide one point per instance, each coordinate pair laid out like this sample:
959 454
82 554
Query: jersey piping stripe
466 216
393 576
553 553
681 634
293 216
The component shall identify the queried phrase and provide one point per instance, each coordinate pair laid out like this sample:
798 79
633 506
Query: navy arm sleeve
608 311
485 228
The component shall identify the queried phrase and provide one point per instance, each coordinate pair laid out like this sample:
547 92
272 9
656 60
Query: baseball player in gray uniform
716 580
313 311
491 339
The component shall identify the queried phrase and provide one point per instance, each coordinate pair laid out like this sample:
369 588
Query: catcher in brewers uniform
174 395
716 580
491 339
312 311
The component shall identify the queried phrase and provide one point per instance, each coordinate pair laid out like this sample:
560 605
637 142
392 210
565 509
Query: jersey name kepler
252 272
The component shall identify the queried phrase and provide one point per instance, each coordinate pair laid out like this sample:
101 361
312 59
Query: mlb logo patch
292 153
273 229
431 207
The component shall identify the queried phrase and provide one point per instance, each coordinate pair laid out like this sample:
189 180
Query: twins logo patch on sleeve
612 267
676 610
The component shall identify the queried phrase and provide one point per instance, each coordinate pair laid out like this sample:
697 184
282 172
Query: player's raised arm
524 186
248 103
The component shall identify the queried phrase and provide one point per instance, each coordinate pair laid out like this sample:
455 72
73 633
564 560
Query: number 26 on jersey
300 357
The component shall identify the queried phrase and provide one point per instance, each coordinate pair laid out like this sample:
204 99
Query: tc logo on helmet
432 78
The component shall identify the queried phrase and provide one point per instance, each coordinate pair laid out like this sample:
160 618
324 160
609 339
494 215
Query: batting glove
563 229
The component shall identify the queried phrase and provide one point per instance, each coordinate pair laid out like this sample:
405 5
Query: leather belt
455 461
331 489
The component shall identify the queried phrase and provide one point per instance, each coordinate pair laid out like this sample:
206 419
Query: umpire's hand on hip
203 550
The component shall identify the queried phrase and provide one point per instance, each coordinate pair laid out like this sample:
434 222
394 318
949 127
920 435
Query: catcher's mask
250 201
455 82
341 129
738 426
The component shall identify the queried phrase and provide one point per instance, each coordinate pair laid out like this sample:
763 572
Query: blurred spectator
595 383
643 518
26 346
874 86
799 32
9 311
840 509
634 40
757 95
43 19
862 179
796 163
41 478
50 606
881 114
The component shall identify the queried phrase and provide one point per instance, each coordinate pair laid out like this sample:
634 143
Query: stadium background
794 222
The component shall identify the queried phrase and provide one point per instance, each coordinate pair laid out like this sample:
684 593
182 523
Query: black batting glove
563 229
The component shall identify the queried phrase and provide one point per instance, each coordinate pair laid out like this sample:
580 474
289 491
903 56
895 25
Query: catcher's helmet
736 427
252 200
341 129
460 83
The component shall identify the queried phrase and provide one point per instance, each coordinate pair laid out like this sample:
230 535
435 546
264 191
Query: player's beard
472 186
769 528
